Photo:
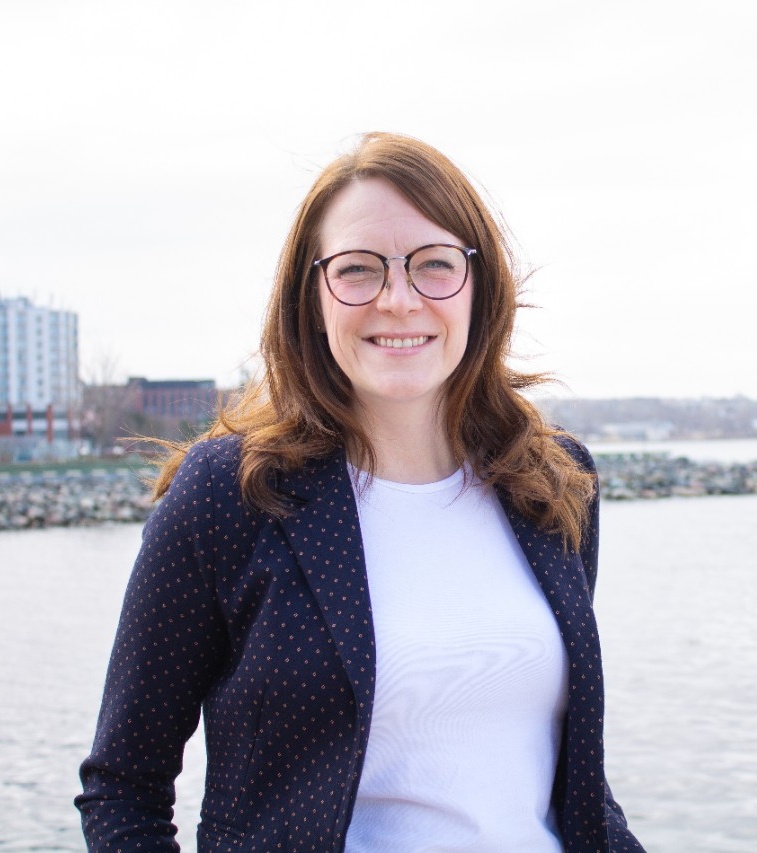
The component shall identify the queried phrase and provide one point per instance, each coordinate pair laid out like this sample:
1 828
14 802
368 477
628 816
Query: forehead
371 213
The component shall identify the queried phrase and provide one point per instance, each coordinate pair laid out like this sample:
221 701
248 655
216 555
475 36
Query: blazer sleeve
170 643
619 835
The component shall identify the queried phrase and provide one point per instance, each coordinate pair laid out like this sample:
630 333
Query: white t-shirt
471 684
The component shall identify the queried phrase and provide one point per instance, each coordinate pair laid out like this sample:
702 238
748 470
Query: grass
85 465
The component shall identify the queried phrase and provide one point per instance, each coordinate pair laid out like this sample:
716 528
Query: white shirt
471 684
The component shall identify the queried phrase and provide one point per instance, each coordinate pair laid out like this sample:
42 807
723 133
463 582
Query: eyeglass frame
324 262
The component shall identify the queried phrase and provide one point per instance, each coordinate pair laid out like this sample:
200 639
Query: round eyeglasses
438 271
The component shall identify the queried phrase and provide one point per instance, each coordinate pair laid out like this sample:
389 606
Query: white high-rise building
39 358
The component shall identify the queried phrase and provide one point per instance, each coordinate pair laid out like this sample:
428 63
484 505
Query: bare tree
107 406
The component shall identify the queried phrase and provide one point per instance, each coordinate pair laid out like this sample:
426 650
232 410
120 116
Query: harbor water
676 601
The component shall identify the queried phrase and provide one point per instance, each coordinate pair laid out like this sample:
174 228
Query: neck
411 445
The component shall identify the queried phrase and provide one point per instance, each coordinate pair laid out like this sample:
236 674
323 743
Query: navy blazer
265 623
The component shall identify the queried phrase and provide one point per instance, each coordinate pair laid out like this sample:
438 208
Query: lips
400 343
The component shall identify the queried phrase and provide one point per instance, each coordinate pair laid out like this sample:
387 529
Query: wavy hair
302 408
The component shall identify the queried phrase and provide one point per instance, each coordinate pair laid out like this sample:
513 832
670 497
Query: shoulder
577 450
213 471
589 545
205 479
221 452
217 458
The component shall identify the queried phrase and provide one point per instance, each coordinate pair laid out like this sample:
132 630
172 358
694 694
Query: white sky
152 155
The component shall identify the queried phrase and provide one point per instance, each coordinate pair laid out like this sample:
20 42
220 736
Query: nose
398 295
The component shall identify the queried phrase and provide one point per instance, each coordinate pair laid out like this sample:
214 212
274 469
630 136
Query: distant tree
107 405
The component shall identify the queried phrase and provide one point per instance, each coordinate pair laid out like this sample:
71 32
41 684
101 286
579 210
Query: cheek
461 330
462 321
329 319
323 306
332 322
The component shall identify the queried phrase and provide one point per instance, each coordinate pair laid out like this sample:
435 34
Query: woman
375 572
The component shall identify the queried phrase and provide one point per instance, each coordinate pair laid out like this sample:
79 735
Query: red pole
49 423
6 427
29 419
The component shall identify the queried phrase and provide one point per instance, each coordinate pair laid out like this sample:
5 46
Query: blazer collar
561 575
324 531
559 571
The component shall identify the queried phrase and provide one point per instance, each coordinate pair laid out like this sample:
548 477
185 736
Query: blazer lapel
561 576
324 532
559 572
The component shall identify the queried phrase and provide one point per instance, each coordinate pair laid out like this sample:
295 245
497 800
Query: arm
169 645
620 837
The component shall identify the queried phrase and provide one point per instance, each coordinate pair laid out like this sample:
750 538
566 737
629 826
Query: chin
396 395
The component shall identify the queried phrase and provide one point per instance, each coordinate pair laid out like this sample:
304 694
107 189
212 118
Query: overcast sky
152 155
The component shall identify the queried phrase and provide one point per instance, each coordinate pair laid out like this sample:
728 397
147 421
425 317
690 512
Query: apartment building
39 369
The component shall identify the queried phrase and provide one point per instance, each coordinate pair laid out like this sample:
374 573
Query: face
399 349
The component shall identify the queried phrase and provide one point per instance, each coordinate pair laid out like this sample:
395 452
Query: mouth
400 343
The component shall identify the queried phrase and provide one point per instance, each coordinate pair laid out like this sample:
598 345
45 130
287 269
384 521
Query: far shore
98 491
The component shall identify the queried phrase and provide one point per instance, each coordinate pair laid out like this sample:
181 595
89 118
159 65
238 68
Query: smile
400 343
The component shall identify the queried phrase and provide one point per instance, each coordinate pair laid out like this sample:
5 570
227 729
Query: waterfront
94 492
676 601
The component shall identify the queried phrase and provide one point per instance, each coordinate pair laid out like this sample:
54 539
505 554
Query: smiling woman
400 346
375 572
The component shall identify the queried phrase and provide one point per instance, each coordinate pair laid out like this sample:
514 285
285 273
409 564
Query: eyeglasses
356 278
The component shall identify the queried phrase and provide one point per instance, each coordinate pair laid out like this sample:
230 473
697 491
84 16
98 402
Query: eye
435 264
356 267
352 269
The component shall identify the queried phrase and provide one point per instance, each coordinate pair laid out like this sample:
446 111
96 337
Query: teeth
399 343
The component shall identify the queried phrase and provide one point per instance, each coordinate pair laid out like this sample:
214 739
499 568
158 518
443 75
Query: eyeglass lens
437 272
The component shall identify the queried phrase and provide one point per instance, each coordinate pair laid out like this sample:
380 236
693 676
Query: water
676 602
726 451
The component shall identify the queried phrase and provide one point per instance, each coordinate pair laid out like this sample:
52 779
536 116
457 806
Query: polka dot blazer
265 624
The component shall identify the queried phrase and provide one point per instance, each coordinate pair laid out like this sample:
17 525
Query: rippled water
676 602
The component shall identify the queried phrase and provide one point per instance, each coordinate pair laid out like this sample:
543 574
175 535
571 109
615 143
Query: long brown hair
302 408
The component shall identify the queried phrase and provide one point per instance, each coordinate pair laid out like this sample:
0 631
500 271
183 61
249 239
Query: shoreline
76 497
72 497
644 476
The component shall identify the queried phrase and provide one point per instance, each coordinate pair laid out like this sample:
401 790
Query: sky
153 154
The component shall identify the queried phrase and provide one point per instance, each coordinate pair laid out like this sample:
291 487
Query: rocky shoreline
632 476
77 498
72 498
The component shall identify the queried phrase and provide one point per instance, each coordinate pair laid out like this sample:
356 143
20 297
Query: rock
61 498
